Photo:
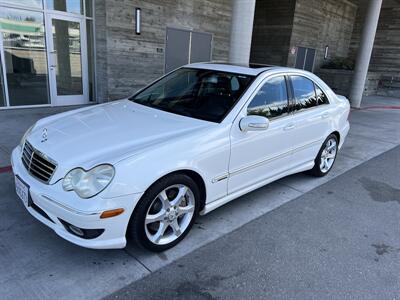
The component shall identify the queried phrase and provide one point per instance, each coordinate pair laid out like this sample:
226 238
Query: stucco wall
127 62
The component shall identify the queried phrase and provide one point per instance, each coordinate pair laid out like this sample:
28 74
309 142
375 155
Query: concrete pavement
338 241
37 264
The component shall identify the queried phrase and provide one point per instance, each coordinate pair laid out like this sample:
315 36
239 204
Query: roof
252 69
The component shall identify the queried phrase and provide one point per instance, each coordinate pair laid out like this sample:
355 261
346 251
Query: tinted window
321 97
304 92
271 100
203 94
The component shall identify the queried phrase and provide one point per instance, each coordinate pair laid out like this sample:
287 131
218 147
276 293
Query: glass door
67 59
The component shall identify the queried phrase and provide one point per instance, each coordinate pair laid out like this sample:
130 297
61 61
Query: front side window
271 101
198 93
304 93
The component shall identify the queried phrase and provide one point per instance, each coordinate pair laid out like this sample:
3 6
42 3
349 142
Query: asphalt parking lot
37 264
338 241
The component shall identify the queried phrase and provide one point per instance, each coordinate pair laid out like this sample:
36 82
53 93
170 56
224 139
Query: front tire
326 157
165 213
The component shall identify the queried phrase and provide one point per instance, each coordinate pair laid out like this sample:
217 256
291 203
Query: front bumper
56 208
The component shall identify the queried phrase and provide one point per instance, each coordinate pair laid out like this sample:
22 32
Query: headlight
88 183
26 134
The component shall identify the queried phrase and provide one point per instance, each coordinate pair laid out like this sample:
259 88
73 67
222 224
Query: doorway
305 58
67 59
44 53
185 47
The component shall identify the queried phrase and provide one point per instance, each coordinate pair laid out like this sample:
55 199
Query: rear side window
321 97
304 92
271 100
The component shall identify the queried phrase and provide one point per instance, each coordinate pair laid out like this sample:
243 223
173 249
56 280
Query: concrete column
241 31
364 51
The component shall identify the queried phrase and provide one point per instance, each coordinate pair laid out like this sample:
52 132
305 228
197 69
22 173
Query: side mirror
253 123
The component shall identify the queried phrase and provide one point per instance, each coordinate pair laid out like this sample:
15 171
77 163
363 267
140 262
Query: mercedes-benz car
143 168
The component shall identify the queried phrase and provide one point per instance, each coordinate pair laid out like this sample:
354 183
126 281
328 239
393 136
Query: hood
107 133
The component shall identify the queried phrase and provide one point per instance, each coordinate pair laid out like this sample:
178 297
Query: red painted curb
5 169
382 107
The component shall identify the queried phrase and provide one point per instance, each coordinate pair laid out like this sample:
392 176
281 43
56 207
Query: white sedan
144 167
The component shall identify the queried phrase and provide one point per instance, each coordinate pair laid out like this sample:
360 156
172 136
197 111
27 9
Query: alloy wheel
169 214
328 155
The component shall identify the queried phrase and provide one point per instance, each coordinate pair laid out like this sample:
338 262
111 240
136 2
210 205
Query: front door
67 59
257 156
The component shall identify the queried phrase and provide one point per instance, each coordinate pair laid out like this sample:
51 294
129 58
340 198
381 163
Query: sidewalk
36 263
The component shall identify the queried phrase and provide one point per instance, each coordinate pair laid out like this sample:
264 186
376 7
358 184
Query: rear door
311 118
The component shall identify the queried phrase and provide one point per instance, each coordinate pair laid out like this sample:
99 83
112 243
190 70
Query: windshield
202 94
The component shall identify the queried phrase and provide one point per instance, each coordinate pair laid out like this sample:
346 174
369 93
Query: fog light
76 230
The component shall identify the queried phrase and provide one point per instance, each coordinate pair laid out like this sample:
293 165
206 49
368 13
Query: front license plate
22 190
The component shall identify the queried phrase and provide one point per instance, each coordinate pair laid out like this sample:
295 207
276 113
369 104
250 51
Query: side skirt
219 202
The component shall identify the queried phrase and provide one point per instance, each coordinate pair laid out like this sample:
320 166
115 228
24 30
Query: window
304 92
198 93
271 100
25 56
71 6
27 3
321 97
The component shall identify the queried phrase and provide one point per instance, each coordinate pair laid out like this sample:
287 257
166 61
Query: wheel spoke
327 164
330 155
160 232
156 217
323 166
181 194
331 147
176 228
164 199
185 210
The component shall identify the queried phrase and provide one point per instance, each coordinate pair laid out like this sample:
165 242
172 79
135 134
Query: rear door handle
288 127
325 115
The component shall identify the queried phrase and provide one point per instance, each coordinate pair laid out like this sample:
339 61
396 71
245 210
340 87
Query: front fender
206 154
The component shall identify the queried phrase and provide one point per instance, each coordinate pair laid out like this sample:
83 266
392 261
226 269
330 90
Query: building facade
65 52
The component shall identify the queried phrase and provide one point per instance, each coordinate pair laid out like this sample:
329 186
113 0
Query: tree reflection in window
321 97
271 100
304 92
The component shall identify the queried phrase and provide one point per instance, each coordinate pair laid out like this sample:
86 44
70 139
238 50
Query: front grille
37 164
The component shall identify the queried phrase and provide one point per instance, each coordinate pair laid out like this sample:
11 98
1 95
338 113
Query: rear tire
326 157
165 213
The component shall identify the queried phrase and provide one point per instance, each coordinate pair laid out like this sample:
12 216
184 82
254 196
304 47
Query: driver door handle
289 127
